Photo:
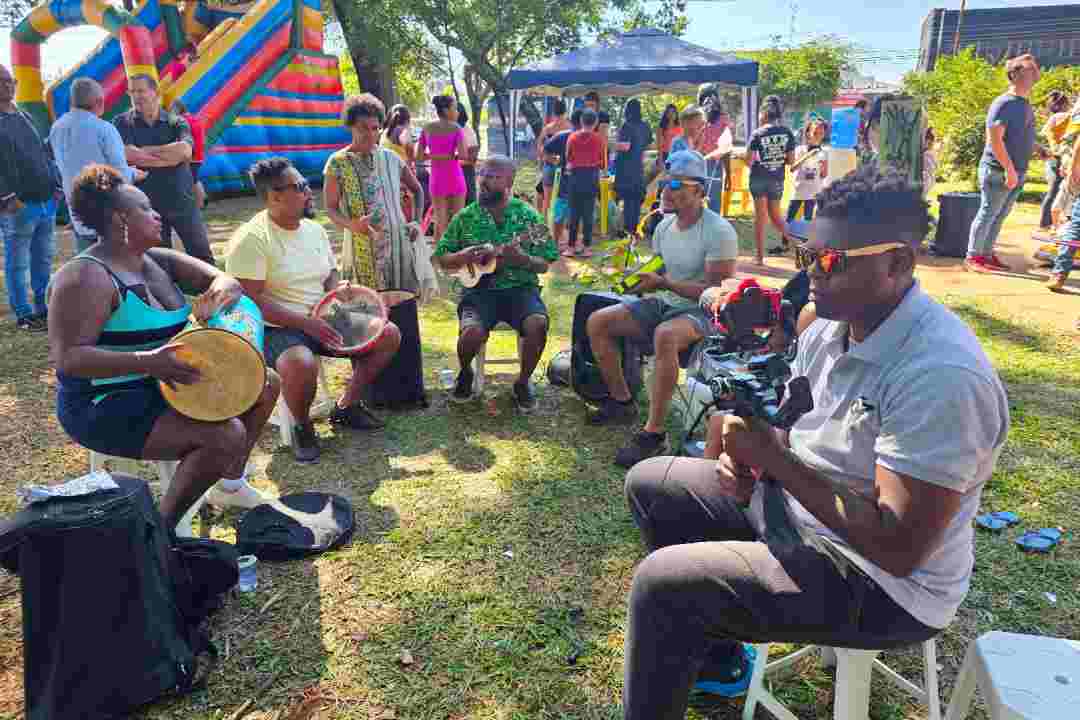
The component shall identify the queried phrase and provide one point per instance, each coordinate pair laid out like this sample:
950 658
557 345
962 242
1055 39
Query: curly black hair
95 196
364 105
264 172
879 197
442 103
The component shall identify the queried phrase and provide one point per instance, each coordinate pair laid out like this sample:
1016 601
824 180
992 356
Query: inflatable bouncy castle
261 83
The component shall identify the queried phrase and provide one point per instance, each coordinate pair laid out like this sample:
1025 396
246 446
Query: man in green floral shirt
501 226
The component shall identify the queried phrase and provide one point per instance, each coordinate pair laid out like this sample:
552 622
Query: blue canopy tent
635 63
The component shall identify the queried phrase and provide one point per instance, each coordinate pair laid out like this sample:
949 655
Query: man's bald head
496 180
499 165
7 86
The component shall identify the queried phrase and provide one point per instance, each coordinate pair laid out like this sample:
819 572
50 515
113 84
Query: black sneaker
32 323
615 412
644 445
525 397
305 444
357 416
463 387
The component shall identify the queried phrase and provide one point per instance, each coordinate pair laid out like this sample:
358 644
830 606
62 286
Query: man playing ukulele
501 226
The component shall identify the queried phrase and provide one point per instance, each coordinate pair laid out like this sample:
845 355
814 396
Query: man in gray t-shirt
862 535
1010 139
699 249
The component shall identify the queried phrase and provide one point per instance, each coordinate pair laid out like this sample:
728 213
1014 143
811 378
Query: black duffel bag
103 631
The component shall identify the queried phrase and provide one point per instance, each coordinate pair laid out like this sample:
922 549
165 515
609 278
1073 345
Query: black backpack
585 375
110 609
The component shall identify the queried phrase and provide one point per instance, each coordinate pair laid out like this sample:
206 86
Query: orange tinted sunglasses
829 260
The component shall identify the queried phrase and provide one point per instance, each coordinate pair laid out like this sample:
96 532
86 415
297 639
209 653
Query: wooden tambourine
228 356
357 313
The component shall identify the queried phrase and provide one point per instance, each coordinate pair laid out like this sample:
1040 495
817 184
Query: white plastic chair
1021 677
853 671
166 470
322 406
481 361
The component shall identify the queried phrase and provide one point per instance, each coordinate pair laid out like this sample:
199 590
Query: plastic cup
248 578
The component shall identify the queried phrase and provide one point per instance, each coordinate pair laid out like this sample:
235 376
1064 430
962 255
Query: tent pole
750 110
513 122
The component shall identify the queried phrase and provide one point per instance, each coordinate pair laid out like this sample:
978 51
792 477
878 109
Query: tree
493 38
668 16
13 11
803 75
381 36
957 93
409 82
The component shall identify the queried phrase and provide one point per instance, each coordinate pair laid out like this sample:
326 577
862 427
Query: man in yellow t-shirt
283 260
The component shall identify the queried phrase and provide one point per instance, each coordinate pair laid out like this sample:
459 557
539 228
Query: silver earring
124 225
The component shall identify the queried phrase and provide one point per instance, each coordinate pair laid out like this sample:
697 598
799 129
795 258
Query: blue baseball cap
687 163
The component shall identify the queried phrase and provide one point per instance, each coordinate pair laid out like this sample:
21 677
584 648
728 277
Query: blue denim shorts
561 210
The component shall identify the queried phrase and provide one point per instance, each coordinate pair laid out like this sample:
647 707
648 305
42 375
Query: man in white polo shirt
880 480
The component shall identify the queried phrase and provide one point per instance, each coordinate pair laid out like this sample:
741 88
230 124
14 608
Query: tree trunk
532 115
477 93
375 78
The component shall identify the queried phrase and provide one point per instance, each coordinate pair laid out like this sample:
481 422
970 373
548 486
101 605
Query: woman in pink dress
443 143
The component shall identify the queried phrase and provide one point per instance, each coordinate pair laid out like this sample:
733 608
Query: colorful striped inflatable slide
261 85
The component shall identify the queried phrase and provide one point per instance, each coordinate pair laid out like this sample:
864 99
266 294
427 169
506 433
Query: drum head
357 313
393 298
233 375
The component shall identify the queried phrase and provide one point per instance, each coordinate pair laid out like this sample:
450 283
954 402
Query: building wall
1051 33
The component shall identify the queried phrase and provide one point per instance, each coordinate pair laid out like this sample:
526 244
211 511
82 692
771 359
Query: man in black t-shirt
161 143
770 150
561 204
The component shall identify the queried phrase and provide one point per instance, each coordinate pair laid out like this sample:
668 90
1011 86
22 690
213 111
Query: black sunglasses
300 186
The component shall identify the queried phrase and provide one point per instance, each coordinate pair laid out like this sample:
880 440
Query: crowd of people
880 481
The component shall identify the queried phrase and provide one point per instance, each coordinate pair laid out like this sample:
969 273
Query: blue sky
888 27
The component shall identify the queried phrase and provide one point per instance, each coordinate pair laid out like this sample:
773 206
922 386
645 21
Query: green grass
496 550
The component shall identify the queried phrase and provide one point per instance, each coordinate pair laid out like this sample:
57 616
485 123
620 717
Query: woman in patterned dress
362 191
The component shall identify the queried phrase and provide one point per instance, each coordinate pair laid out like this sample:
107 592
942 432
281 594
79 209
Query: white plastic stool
481 361
853 671
1022 677
322 406
166 470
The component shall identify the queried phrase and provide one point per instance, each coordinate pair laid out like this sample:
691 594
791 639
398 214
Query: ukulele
470 274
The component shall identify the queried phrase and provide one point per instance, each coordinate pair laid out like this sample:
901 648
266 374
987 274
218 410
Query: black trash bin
957 211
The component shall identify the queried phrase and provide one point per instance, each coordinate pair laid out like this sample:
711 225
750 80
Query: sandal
1041 541
997 520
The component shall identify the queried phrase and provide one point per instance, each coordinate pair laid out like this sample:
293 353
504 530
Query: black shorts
195 168
488 308
767 187
277 340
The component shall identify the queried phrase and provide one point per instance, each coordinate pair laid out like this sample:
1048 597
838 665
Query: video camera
746 377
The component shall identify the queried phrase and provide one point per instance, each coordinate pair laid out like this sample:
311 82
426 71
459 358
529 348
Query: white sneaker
245 497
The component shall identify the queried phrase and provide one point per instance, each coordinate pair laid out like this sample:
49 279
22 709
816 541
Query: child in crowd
811 167
584 160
